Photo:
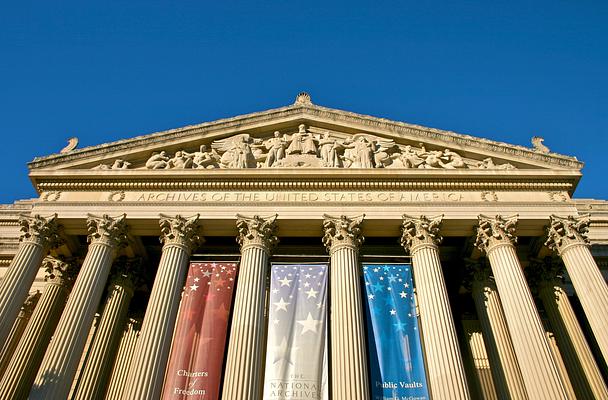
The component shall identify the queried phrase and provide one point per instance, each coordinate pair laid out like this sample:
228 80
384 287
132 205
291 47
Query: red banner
194 370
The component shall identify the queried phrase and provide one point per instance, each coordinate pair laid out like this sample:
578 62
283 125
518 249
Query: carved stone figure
181 160
204 159
308 141
362 155
488 163
295 147
329 149
118 164
409 158
276 149
537 143
72 144
237 151
158 161
432 160
452 160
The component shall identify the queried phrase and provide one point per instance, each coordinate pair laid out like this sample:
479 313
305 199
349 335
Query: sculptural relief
308 149
117 164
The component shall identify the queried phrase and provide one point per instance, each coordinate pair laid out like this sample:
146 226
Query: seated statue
204 159
158 161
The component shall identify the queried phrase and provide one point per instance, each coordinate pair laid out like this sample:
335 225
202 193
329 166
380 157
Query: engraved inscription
300 197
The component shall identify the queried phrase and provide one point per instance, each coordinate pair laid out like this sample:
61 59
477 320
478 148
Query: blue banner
395 354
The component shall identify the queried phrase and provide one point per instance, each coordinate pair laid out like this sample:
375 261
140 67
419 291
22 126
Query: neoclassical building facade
509 270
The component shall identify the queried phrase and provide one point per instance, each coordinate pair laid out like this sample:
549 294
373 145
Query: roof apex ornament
539 147
72 143
303 98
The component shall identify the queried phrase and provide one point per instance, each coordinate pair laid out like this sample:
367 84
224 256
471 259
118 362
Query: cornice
305 179
304 111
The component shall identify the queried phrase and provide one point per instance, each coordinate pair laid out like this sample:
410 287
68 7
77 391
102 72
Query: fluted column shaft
17 330
445 368
591 290
38 236
578 358
94 378
123 359
446 375
349 363
56 373
505 368
244 368
540 374
349 375
244 364
568 236
147 370
21 371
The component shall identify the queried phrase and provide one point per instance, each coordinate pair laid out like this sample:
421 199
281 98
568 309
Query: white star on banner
206 274
393 312
281 305
285 281
311 293
309 324
193 287
403 295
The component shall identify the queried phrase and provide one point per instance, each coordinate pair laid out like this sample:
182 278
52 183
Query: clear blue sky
102 71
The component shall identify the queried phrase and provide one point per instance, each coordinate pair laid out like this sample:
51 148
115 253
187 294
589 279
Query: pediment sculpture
307 149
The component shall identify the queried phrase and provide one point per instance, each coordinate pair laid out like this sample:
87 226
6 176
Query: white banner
296 356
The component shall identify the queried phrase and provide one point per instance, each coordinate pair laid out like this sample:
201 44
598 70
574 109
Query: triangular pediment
305 135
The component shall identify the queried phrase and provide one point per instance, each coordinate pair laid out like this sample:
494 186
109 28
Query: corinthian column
244 365
60 362
496 237
38 235
445 369
21 371
93 381
582 369
17 330
179 236
505 369
568 236
349 378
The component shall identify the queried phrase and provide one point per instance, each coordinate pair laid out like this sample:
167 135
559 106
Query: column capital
420 232
60 271
257 231
544 272
42 231
30 303
106 230
342 231
127 273
180 231
565 231
477 272
495 231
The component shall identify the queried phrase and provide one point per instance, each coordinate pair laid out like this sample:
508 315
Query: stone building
509 269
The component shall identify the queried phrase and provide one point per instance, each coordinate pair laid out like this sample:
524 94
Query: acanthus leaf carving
421 231
565 231
493 231
545 272
342 231
257 231
110 231
60 271
42 231
30 303
180 231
